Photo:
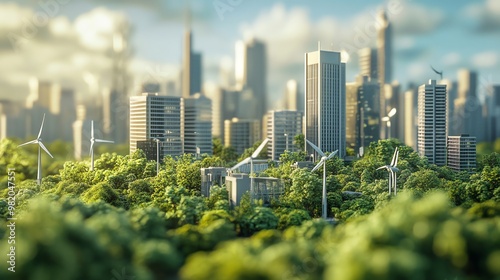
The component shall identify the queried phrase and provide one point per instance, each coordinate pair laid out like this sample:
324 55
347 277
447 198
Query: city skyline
67 43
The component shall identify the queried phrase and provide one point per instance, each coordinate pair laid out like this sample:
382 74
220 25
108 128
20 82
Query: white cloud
452 59
486 15
485 59
416 19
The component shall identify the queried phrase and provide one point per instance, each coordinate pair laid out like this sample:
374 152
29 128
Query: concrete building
157 116
225 104
467 114
197 125
492 105
362 113
432 122
452 89
265 188
462 153
368 63
384 49
191 67
212 176
325 102
282 127
241 134
251 76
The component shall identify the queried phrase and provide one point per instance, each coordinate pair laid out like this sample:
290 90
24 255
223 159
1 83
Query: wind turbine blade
321 162
385 119
315 148
259 149
41 128
45 149
92 129
243 162
91 147
30 142
397 157
332 154
393 161
392 113
381 167
103 141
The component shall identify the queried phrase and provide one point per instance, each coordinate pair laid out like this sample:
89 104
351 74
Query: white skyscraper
282 127
325 103
197 125
157 116
432 122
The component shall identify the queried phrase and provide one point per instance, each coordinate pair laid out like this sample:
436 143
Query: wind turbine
92 141
388 119
392 169
38 141
322 161
440 73
250 160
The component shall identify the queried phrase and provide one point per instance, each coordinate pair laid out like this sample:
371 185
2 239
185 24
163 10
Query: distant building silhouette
410 120
293 98
191 67
325 103
157 116
432 122
282 127
197 125
467 114
492 105
368 63
362 112
384 49
462 153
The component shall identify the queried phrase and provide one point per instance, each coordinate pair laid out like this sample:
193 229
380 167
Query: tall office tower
282 127
225 104
452 89
157 116
410 117
191 67
384 49
81 133
368 63
462 153
115 112
251 75
241 134
467 115
432 122
40 94
293 99
12 120
325 102
66 113
43 95
362 113
492 104
198 125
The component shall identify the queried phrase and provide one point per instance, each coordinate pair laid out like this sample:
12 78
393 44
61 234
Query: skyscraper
293 99
191 68
197 125
492 113
467 114
115 110
251 74
368 63
384 49
282 127
410 117
362 112
160 117
325 102
432 122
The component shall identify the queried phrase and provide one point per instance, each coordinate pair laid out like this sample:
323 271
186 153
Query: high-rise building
241 134
157 116
325 102
198 125
432 122
467 114
282 127
293 99
462 153
492 105
384 49
410 117
368 63
362 113
224 107
251 75
81 133
66 113
452 89
12 120
191 68
115 110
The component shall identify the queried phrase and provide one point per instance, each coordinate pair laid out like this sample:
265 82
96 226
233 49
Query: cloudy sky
68 41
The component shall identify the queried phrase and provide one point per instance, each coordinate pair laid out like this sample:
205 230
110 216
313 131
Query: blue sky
74 40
